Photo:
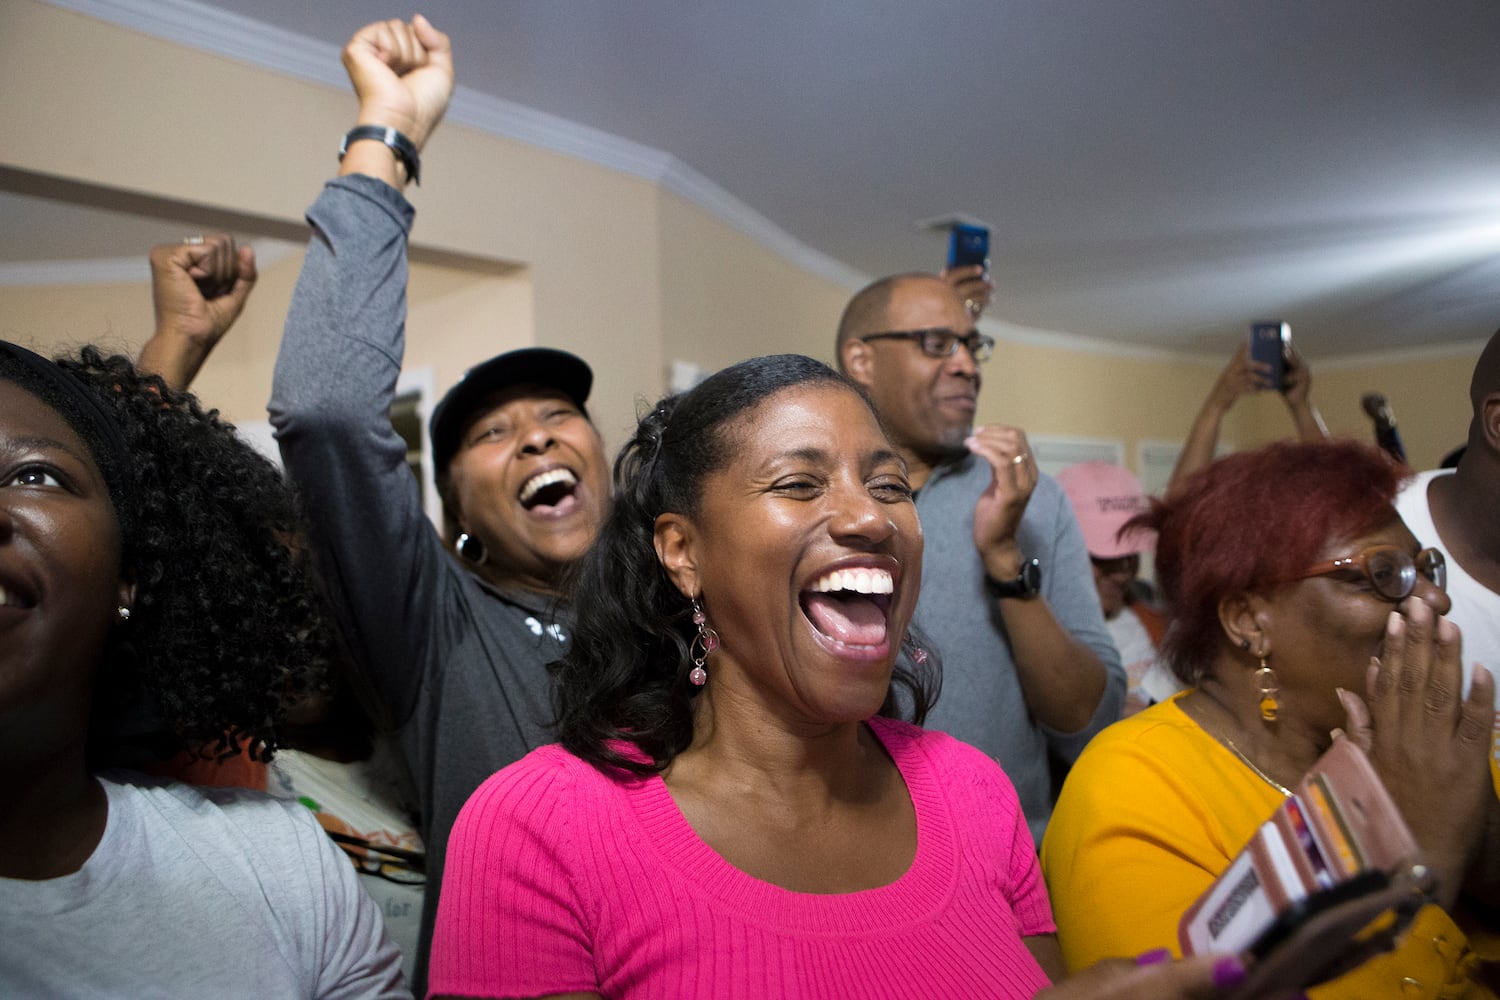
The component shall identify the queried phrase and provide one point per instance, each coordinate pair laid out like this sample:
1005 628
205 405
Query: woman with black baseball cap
455 632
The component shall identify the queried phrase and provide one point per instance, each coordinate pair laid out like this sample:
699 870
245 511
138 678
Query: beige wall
1430 399
726 298
55 318
1049 391
549 250
455 315
91 103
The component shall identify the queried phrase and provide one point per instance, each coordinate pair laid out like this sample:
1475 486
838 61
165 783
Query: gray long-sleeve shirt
461 665
982 701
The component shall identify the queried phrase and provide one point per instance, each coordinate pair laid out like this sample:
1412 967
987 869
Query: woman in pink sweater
735 809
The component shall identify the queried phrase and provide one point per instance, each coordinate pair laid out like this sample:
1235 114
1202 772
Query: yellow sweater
1151 813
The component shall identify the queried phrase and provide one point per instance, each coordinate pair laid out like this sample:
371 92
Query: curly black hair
624 677
227 631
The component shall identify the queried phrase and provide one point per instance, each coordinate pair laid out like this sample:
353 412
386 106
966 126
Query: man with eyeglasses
1455 511
1029 671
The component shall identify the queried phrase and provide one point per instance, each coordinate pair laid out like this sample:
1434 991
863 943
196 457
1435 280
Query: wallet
1337 837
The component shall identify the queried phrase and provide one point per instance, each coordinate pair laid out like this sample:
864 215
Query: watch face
1028 582
1031 577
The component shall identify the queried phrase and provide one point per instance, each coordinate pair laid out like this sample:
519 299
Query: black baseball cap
543 366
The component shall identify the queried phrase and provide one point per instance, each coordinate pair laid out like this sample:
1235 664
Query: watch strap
404 148
1028 582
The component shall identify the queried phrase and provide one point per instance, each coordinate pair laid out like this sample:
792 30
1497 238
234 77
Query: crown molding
1470 349
509 120
1014 333
1004 332
246 40
208 29
691 186
219 32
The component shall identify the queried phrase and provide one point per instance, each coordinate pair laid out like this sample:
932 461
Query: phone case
1268 344
968 245
1378 834
1339 824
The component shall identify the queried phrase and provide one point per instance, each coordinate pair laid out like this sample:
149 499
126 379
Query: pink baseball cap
1105 496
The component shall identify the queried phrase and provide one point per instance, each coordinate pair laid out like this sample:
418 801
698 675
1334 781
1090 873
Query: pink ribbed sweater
561 878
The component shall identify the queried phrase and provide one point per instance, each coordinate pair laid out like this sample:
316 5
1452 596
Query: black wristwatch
1027 584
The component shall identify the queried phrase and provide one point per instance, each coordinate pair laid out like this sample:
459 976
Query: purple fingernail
1155 957
1229 972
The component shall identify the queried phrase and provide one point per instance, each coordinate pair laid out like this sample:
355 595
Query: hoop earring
1270 705
470 549
705 642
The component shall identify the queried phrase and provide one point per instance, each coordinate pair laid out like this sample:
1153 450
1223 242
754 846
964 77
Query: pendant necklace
1263 776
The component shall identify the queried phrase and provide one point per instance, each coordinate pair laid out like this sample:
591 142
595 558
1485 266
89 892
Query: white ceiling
1157 172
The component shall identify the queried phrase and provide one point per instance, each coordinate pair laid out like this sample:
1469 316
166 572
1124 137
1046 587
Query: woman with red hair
1291 583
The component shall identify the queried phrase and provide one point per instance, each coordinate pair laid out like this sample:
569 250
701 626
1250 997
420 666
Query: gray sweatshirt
459 664
981 701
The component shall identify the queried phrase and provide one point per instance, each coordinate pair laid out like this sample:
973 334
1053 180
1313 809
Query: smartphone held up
1271 345
968 245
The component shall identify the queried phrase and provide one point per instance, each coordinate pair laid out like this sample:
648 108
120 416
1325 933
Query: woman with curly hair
151 602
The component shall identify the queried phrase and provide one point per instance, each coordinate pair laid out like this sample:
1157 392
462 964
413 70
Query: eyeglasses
383 861
941 342
1391 571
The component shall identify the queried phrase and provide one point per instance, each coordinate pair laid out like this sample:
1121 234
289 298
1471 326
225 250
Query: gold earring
1269 704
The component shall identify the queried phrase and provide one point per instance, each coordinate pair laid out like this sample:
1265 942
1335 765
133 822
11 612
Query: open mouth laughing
550 493
851 606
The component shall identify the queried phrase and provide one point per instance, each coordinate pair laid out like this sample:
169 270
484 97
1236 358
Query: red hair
1255 519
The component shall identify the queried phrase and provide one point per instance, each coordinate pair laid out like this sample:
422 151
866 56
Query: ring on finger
1019 459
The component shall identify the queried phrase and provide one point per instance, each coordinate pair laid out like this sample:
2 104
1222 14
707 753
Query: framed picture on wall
1057 451
1155 460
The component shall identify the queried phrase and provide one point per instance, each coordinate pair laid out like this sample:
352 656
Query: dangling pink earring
705 642
917 653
